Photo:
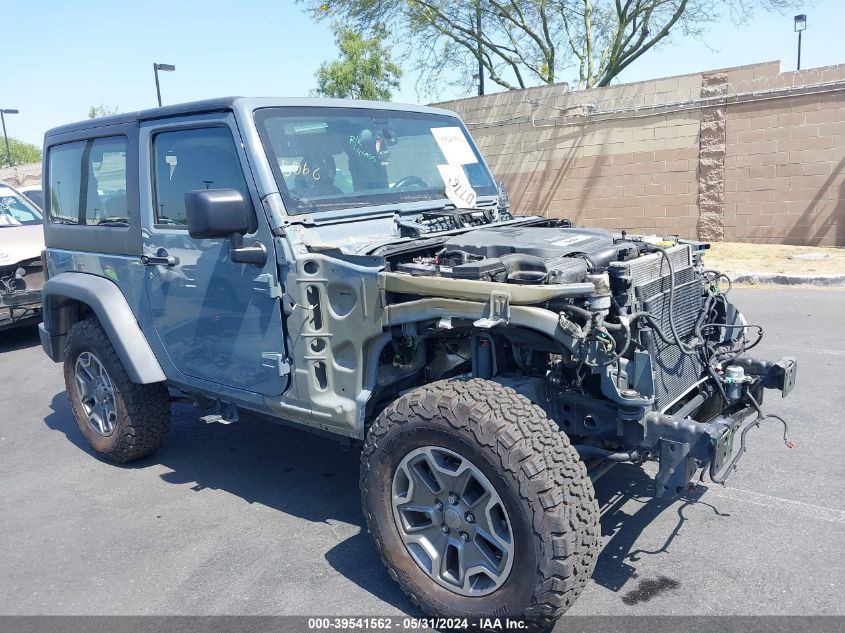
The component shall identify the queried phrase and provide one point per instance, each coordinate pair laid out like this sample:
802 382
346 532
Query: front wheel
478 504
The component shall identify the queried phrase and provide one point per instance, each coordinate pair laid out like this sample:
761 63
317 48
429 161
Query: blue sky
61 57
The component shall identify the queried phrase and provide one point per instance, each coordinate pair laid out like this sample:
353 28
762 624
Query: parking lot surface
258 518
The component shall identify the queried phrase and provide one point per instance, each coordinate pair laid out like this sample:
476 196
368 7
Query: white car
21 272
34 193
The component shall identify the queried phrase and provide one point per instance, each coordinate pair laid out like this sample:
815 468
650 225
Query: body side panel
112 310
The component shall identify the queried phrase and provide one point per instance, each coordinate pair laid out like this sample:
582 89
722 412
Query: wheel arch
538 327
69 297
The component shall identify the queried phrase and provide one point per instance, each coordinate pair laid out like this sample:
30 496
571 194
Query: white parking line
791 349
776 503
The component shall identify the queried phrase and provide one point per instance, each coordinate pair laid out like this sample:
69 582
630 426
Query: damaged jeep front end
682 442
633 347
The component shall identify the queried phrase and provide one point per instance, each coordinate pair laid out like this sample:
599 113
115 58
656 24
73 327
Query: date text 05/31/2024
413 624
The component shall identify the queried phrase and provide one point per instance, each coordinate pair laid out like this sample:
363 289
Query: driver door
216 319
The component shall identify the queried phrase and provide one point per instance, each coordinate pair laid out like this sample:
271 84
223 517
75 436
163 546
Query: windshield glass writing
336 158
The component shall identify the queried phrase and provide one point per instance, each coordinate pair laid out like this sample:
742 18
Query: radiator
674 371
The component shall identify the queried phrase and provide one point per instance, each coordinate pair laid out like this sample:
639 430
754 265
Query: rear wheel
121 420
478 504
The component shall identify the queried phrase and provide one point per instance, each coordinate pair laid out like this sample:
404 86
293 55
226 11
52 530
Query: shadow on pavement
19 338
315 478
625 487
284 468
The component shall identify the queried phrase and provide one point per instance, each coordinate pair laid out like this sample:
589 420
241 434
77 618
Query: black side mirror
215 213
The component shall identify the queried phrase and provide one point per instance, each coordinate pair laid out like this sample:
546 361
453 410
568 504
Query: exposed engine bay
524 255
645 356
21 274
20 293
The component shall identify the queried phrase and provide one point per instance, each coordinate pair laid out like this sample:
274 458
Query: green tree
95 112
364 70
520 43
22 153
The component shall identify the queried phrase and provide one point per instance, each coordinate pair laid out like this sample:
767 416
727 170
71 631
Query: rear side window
188 160
88 182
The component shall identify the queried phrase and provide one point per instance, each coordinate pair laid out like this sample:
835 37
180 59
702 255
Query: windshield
336 158
15 210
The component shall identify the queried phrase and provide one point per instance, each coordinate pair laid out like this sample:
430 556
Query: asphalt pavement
258 518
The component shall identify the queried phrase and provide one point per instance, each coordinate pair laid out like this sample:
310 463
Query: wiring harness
713 340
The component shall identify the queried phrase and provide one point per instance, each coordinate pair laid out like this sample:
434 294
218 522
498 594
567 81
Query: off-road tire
143 411
536 472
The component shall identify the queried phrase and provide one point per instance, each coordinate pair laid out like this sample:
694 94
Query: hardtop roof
245 104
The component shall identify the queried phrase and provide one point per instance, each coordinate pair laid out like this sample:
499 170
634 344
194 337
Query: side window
187 160
88 182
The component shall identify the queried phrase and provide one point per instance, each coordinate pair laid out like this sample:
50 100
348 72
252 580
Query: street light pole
3 112
799 50
800 25
158 87
163 68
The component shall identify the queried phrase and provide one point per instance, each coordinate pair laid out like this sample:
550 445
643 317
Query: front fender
62 297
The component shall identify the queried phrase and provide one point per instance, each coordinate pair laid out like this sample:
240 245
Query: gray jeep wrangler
352 267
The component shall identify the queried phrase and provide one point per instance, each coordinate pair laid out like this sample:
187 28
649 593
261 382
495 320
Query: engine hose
702 316
648 316
579 311
681 345
626 328
727 326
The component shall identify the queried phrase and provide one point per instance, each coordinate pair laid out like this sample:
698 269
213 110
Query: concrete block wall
785 163
764 165
21 175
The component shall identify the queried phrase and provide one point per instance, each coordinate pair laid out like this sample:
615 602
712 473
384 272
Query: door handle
240 254
161 258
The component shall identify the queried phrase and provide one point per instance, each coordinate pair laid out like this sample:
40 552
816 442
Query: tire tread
552 479
145 408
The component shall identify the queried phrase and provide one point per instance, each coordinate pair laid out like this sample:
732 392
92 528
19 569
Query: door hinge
266 284
275 362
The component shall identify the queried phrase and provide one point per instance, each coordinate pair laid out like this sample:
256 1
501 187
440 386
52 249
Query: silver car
21 273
